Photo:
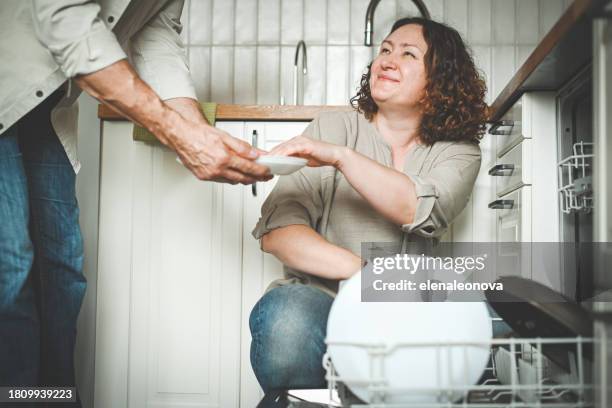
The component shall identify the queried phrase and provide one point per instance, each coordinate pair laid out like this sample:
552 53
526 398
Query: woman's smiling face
398 76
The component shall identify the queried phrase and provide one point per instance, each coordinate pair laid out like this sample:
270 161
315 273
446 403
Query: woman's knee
289 310
288 328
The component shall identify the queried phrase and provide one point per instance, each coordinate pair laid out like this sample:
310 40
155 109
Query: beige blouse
320 197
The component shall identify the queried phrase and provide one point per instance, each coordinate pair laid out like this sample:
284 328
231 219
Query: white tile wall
221 74
222 21
199 61
479 15
315 21
503 22
246 23
315 81
337 78
254 42
292 24
339 22
199 22
268 21
456 15
528 16
245 79
268 74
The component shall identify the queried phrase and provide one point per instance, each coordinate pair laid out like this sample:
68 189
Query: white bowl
282 165
431 367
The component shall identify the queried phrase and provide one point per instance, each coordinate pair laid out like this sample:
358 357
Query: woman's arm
395 198
302 248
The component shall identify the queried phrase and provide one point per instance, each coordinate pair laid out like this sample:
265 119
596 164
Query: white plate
282 165
416 375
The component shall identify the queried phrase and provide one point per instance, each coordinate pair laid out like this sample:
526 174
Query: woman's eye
409 53
384 51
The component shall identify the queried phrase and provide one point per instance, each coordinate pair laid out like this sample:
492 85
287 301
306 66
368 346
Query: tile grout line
257 55
326 48
233 70
350 52
279 95
210 53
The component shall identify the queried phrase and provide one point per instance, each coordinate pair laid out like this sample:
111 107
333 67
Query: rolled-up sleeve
74 34
158 54
445 190
295 200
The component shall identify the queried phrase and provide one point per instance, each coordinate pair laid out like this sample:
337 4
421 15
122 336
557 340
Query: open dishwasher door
602 138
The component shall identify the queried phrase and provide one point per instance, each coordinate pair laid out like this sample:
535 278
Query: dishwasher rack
518 375
576 180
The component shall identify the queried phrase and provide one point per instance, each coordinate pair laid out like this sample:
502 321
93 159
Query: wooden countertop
562 53
227 112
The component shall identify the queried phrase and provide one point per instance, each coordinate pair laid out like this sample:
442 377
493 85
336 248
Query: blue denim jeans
288 327
41 255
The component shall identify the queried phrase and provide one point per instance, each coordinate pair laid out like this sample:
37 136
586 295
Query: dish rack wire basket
575 179
518 375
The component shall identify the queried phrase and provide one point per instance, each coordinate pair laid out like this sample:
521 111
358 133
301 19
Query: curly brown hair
454 107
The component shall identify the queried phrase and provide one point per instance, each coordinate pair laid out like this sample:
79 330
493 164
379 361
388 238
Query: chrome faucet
369 25
300 45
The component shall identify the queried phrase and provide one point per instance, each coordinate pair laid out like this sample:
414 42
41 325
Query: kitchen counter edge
231 112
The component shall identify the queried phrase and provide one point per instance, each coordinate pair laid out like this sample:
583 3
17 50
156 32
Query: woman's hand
318 153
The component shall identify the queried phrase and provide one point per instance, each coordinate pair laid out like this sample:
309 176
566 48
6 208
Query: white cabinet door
168 329
513 223
259 269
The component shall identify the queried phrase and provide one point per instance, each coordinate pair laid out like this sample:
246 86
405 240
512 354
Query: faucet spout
301 46
369 22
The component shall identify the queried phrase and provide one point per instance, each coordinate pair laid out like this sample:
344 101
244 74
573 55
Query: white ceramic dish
282 165
421 370
279 165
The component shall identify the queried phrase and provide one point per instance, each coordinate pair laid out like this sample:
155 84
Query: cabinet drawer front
512 169
509 130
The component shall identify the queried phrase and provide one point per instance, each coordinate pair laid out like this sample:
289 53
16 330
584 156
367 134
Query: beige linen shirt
44 43
320 197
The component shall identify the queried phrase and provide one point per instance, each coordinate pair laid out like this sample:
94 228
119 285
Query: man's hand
209 153
212 154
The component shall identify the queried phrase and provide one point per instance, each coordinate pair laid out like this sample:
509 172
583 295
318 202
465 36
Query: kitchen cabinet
178 275
169 281
524 194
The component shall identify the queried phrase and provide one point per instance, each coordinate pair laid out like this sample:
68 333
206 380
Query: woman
401 167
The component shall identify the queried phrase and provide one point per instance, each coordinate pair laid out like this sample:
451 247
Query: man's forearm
302 248
119 87
188 108
209 153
